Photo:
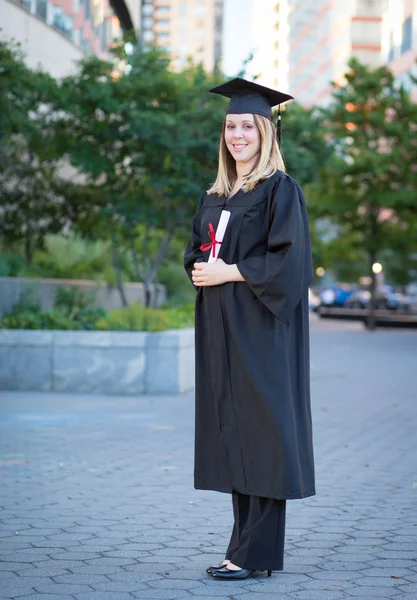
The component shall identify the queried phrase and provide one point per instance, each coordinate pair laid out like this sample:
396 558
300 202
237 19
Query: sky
238 39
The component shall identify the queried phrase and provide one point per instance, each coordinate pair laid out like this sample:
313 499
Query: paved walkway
97 499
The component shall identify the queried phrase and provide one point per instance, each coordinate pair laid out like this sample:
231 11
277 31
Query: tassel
279 126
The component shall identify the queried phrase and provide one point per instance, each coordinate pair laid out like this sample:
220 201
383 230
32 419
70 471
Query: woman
253 421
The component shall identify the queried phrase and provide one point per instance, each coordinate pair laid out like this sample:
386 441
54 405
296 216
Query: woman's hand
215 273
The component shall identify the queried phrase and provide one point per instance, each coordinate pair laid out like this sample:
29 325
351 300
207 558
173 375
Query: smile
239 146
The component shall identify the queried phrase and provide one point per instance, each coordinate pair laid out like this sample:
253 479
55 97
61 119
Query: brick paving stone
51 569
363 593
386 572
318 595
82 568
62 588
20 587
36 596
155 595
105 502
120 586
334 575
80 578
104 596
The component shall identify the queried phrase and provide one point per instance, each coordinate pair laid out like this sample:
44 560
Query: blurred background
108 136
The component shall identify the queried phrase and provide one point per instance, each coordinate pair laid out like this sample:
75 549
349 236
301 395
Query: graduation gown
253 431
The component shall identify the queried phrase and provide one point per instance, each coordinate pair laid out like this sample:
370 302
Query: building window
87 9
147 23
27 4
407 39
147 9
162 22
162 36
148 36
85 46
163 10
41 9
391 47
62 21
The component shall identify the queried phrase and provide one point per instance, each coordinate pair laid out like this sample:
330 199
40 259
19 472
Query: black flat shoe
211 570
240 574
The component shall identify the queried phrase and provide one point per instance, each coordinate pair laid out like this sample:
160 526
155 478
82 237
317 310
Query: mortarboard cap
249 97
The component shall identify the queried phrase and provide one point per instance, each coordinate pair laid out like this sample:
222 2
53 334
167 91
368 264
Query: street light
320 272
129 48
377 268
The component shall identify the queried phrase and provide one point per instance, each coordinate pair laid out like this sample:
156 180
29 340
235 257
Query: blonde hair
269 160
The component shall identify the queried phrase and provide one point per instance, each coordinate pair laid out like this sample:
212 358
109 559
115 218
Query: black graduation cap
249 97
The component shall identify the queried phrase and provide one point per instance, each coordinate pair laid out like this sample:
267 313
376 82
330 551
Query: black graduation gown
253 431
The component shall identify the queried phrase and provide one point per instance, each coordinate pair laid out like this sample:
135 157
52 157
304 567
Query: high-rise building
260 30
324 35
400 51
56 33
186 30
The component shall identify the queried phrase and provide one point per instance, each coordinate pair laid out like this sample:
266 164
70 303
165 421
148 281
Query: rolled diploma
220 231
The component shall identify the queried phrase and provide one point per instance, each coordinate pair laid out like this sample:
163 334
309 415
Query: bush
137 317
11 264
71 312
179 289
71 257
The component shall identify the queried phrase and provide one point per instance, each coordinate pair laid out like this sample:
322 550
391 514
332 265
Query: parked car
410 299
359 298
313 300
335 295
386 297
389 298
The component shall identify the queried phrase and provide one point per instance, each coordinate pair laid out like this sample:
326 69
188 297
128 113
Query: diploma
216 237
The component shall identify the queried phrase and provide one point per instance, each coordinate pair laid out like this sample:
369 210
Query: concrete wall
97 362
12 288
42 44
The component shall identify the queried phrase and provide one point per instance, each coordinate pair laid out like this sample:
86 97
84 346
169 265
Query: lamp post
376 269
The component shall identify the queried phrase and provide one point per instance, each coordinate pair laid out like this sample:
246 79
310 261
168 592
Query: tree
372 186
31 202
146 141
304 145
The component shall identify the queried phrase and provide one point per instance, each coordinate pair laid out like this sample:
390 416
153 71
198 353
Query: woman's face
242 138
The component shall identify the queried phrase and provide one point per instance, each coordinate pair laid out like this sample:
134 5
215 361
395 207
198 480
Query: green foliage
304 146
369 191
12 264
73 310
178 286
31 202
36 319
147 144
137 317
72 257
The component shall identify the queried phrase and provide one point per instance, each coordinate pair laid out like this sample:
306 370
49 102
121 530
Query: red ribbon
212 244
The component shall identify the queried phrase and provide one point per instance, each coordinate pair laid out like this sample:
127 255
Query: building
185 29
400 51
261 31
324 35
56 33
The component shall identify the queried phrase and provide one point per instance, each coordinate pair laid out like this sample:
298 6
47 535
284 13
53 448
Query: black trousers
257 540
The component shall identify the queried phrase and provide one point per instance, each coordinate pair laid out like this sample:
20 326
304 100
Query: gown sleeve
193 253
281 277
